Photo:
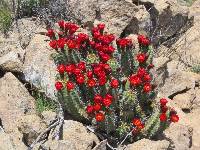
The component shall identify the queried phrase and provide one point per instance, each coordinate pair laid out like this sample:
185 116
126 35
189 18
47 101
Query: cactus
110 87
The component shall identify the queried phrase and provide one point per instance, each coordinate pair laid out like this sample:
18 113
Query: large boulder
15 101
121 17
186 49
169 20
39 68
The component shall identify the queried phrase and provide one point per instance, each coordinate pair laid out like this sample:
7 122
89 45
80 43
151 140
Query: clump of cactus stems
109 86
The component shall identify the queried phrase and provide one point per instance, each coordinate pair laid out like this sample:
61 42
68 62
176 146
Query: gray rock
39 68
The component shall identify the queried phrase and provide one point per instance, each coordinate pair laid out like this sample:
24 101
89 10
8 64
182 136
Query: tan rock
15 101
48 116
180 135
123 16
6 142
193 120
178 82
146 144
76 133
31 126
13 61
60 145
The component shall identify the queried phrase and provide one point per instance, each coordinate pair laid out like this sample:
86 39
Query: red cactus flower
174 118
97 107
147 78
70 85
163 101
81 65
50 33
107 102
71 44
141 72
114 83
105 57
141 58
98 98
61 43
147 87
100 117
109 96
96 35
124 42
77 71
58 85
140 127
89 74
101 26
53 44
61 68
80 79
82 37
143 40
135 80
89 109
61 23
102 81
70 68
164 108
136 122
163 117
91 82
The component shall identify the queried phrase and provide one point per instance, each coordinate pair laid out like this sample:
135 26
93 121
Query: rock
15 101
168 19
6 142
83 10
186 49
39 68
146 144
12 62
179 82
192 119
19 36
122 17
31 126
76 133
11 141
101 145
186 101
180 135
48 116
59 145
